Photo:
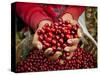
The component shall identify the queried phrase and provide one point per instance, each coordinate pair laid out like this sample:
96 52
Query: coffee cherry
52 30
69 26
68 36
53 42
76 36
68 31
39 32
45 36
60 20
42 31
48 29
47 44
50 34
56 24
57 37
54 47
62 35
61 41
40 37
58 44
48 39
64 45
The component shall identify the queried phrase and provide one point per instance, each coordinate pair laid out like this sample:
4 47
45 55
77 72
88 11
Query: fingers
56 55
39 45
80 32
70 56
48 51
73 41
73 22
68 17
36 43
70 49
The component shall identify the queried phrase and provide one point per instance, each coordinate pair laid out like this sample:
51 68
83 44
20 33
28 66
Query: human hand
74 41
36 43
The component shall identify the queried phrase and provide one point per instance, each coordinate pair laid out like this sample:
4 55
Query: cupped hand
74 41
36 43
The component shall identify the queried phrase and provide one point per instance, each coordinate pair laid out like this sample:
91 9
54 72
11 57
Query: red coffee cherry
54 42
61 41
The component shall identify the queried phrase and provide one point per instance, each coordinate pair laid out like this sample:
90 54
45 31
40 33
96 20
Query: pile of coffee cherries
55 36
36 61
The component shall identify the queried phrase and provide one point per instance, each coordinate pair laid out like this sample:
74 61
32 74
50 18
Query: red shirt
33 13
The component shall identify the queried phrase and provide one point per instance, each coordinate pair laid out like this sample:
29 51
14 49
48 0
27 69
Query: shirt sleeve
75 11
31 13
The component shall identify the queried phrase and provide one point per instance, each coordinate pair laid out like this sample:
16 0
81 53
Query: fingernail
48 51
39 46
58 53
66 49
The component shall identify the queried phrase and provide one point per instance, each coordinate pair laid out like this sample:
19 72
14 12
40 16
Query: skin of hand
68 17
36 43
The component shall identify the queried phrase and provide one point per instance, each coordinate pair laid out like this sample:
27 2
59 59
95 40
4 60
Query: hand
68 17
36 42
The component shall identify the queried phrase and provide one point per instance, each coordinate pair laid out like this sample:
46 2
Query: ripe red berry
39 32
69 26
47 44
68 36
52 30
40 37
50 34
61 41
49 39
62 35
58 44
54 47
53 42
64 45
57 37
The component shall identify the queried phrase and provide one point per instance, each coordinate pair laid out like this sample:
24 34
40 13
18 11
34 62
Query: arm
31 14
34 16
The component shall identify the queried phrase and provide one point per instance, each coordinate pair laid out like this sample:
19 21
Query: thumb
36 43
80 32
